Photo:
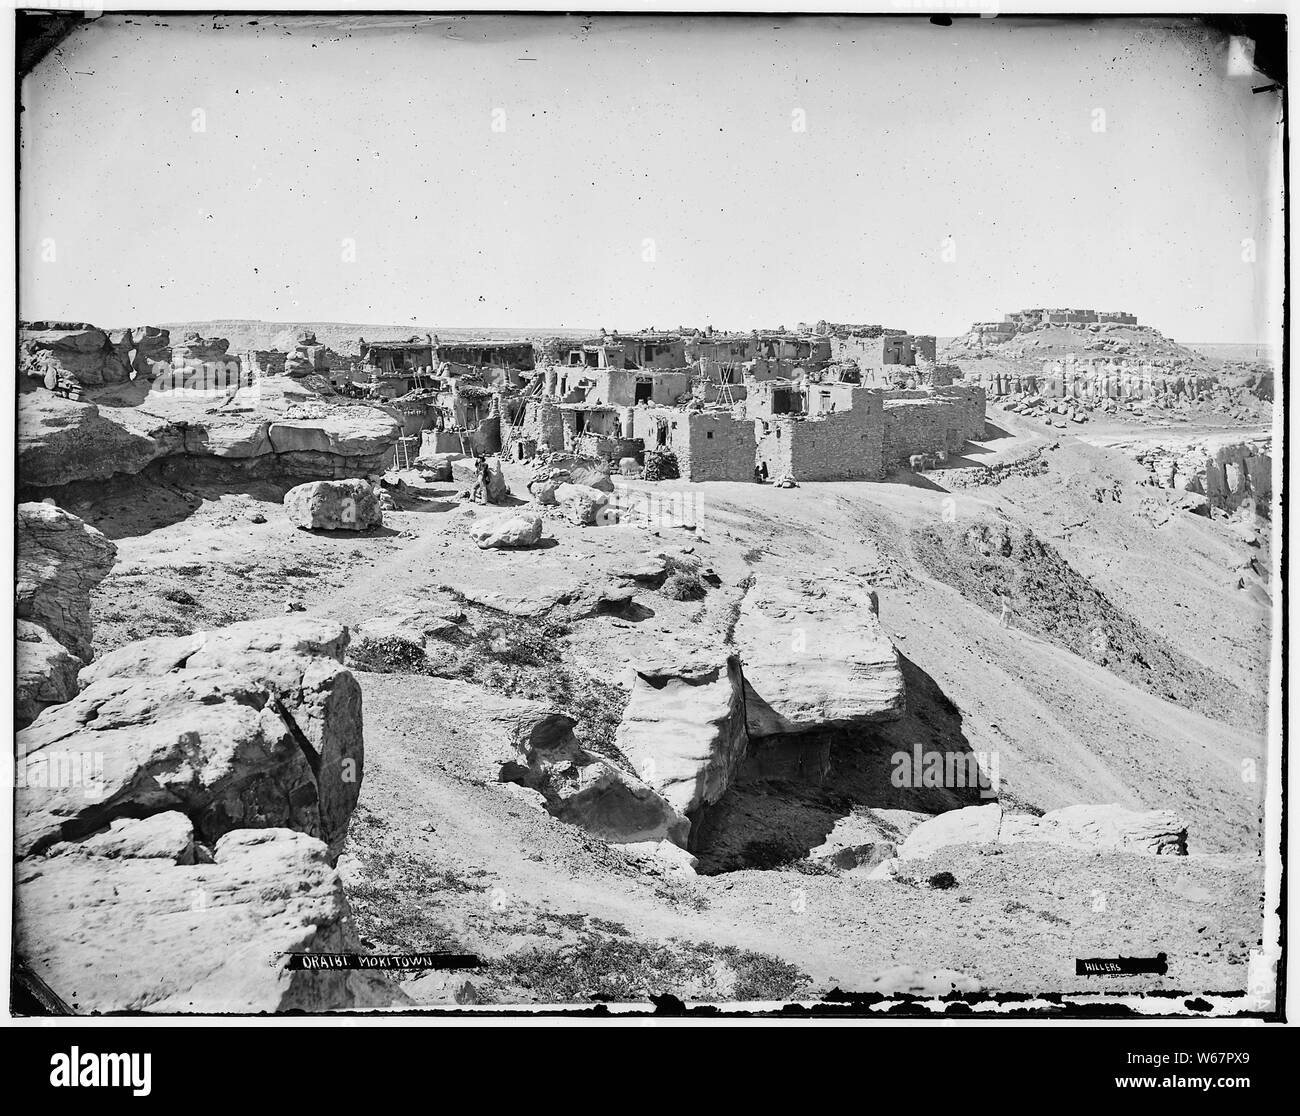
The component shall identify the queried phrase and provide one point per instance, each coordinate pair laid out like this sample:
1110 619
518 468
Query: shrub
683 586
388 655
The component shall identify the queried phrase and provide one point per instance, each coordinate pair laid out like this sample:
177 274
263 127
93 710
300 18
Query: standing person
1004 621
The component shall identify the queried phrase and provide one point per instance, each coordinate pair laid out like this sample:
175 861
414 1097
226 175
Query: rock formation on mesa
60 560
83 352
267 431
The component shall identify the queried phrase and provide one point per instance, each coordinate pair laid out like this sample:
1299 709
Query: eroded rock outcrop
78 350
60 560
250 726
684 729
1111 827
116 926
192 851
815 657
269 427
45 672
535 747
153 352
63 440
1148 833
1228 472
194 351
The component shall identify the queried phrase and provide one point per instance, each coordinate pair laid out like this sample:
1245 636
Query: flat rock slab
815 657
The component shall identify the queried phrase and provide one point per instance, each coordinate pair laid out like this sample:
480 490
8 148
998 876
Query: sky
623 172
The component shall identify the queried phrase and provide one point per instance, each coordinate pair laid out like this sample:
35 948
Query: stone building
839 444
398 358
504 356
887 348
708 445
652 350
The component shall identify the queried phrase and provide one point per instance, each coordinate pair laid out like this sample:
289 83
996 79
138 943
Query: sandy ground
441 856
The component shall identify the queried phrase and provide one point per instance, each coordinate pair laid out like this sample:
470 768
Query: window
709 434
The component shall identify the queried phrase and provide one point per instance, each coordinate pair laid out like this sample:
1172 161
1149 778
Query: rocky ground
1166 710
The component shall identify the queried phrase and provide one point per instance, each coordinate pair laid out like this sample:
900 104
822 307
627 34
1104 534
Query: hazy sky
626 172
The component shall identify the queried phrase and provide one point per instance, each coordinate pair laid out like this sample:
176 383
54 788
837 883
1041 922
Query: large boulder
972 825
505 531
593 472
815 657
684 728
126 930
45 672
542 488
582 504
60 560
535 747
249 726
334 505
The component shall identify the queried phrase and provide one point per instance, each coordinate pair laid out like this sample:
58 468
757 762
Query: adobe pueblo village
784 664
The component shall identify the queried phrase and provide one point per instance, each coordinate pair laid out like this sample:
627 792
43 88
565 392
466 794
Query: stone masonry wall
921 425
845 445
721 448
